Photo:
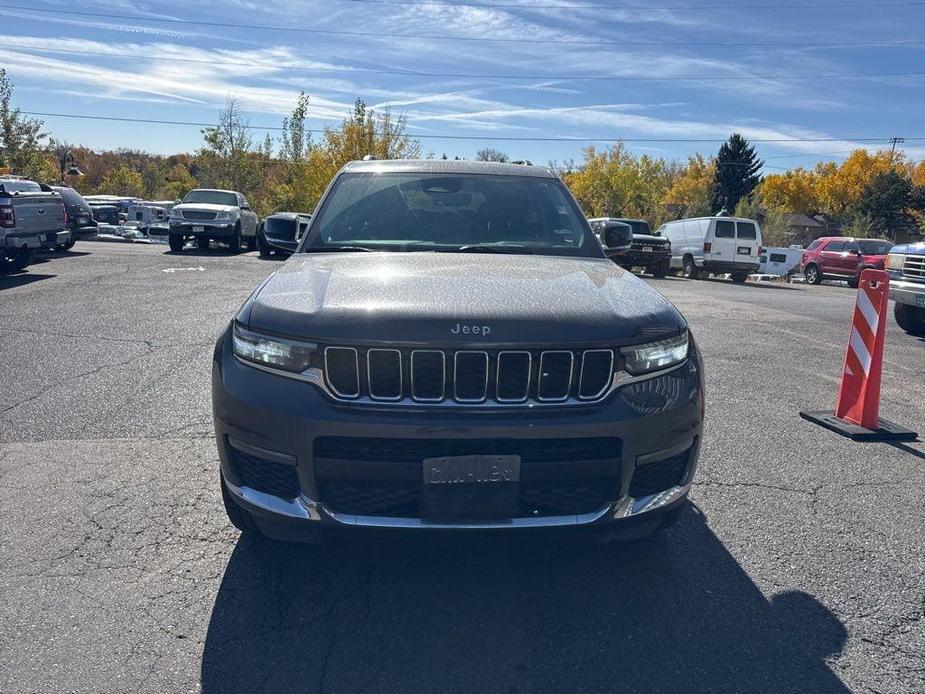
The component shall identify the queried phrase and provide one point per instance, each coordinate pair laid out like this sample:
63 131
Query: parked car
30 219
780 261
906 265
509 378
222 215
281 232
79 216
842 258
646 251
107 214
714 245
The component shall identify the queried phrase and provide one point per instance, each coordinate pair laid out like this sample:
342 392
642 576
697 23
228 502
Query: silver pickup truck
29 219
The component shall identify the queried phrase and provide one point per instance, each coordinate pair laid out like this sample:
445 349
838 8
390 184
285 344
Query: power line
442 37
485 138
645 8
461 75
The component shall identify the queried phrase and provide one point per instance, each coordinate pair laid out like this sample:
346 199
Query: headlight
894 261
655 355
223 216
175 214
272 351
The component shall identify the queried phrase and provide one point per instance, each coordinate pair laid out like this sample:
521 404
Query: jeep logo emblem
460 329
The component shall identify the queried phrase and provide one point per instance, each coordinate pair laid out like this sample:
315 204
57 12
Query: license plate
471 486
197 229
647 249
745 250
920 300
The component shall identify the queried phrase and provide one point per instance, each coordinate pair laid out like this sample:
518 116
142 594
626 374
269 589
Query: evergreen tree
736 176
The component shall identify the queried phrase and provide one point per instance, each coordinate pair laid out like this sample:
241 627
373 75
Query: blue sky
140 68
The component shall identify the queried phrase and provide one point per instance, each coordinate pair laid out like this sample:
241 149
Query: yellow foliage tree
839 188
690 194
794 191
122 181
615 183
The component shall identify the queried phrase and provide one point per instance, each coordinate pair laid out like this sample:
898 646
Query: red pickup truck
842 258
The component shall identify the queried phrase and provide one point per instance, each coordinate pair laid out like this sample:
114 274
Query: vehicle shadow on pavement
512 616
22 279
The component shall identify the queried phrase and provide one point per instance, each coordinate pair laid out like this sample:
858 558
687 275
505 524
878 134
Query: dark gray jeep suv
450 349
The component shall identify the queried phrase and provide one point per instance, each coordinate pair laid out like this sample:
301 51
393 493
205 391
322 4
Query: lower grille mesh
652 478
265 475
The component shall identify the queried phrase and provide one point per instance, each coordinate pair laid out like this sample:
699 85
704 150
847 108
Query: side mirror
617 237
245 207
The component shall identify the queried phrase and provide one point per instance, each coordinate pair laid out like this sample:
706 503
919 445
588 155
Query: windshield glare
212 197
421 211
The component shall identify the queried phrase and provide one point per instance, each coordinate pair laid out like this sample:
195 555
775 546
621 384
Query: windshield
875 247
214 197
639 226
21 187
451 212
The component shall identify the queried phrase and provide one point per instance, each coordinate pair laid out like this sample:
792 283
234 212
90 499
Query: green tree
736 176
227 159
20 137
887 204
491 154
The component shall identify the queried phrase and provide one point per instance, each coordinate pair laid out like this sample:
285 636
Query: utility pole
893 142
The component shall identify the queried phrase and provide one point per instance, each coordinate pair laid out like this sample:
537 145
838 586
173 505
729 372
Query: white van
714 245
780 261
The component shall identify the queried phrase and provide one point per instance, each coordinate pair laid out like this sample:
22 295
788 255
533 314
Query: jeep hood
431 298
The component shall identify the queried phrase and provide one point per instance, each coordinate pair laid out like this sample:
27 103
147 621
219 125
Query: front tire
739 277
812 274
689 269
67 246
263 247
176 242
202 243
853 282
234 243
910 318
239 518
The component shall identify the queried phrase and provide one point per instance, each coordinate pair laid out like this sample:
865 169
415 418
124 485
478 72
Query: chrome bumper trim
307 509
903 292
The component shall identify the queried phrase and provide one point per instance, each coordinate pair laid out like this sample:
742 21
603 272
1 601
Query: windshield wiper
491 248
337 249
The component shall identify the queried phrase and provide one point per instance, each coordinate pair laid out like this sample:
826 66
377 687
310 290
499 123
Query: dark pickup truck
646 251
30 219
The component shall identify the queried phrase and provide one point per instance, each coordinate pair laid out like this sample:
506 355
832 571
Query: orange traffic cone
857 410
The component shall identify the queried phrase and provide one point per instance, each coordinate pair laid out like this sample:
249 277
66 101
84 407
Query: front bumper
908 293
643 259
204 228
279 419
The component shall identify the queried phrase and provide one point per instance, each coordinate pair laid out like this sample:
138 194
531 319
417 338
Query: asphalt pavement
800 566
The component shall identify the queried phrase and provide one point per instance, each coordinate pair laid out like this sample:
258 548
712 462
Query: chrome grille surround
448 377
914 266
328 351
581 374
456 377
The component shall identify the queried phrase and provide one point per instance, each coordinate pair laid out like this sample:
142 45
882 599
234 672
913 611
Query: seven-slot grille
914 266
468 377
659 245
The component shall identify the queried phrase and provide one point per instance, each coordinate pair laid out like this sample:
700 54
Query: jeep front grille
914 266
468 377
